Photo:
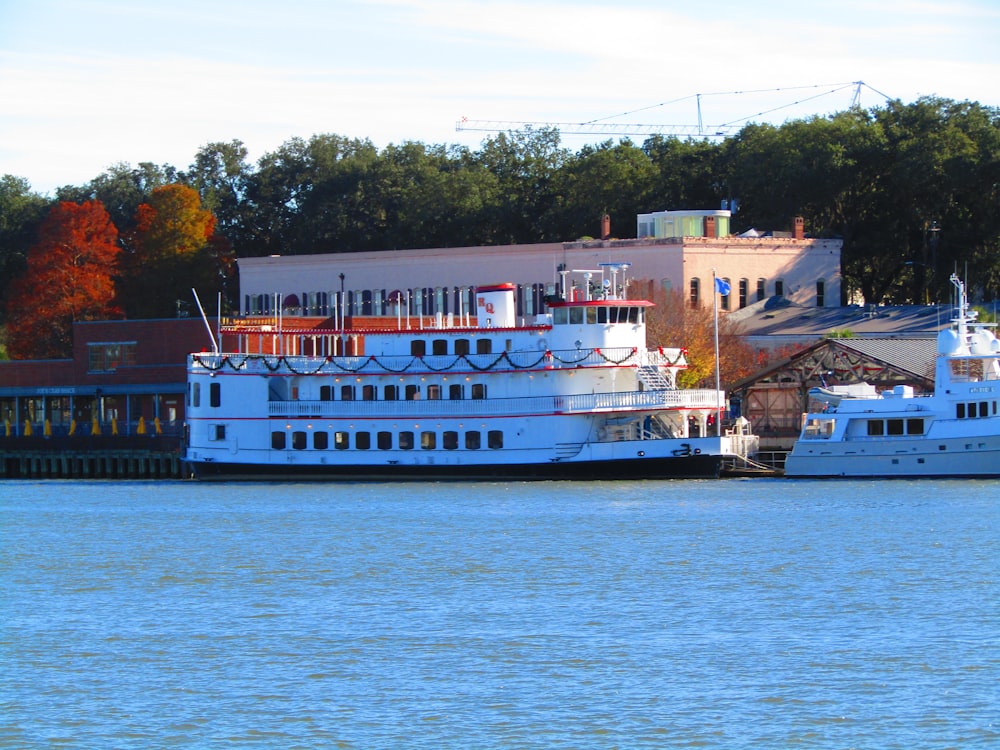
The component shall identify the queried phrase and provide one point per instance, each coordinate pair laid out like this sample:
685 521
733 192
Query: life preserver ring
543 345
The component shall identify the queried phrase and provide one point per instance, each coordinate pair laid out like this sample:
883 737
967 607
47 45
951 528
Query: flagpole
715 310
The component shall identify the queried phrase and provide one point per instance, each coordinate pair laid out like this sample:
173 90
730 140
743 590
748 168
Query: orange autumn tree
675 323
172 249
69 279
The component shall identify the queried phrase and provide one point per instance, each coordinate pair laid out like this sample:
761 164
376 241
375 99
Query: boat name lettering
981 389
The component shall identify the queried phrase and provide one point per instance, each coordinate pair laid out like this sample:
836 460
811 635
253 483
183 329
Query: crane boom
591 128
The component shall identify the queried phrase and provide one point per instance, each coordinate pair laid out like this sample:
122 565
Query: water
715 614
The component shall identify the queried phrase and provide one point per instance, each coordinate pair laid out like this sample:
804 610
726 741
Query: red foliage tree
69 278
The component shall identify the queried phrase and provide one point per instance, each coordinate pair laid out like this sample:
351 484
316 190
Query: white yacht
854 431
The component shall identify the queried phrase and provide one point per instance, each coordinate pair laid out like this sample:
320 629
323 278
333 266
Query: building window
761 289
695 292
820 293
108 357
744 291
779 287
725 297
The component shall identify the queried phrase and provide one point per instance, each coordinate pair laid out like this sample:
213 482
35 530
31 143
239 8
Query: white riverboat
955 432
574 393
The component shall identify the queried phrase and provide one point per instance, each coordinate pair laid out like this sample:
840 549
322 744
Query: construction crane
604 126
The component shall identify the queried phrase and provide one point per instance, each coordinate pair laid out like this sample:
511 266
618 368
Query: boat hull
939 459
701 466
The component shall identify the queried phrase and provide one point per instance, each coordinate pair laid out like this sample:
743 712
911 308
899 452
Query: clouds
84 85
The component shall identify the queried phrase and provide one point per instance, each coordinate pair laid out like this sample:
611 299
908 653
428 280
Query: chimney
709 226
799 228
605 227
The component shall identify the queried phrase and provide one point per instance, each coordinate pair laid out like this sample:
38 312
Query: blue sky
87 84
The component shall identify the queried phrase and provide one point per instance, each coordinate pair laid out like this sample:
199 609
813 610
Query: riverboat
572 393
853 431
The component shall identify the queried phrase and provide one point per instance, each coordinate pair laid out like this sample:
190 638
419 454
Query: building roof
779 316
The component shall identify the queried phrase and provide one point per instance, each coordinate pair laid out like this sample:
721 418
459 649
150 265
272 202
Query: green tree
21 213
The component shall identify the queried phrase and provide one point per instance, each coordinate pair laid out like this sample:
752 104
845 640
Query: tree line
912 189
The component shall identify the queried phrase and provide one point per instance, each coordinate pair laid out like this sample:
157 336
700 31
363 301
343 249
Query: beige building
428 281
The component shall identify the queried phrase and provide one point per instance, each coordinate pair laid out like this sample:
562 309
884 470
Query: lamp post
343 317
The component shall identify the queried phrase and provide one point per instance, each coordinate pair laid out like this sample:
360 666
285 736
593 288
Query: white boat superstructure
572 393
955 432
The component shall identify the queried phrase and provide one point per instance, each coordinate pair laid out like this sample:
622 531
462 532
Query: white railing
589 402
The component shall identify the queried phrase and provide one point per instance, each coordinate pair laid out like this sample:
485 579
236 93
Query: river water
712 614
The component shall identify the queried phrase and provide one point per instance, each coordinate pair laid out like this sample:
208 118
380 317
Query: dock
108 457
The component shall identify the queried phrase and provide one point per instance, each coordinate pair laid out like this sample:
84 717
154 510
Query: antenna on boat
204 319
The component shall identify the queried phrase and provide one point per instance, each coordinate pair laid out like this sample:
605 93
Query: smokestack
709 226
799 228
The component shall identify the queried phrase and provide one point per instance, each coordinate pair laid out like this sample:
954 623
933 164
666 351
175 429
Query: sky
85 85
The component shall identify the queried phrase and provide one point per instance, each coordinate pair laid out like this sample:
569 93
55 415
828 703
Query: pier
91 458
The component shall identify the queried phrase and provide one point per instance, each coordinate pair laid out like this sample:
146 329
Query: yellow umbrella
72 427
156 424
114 426
141 429
48 428
95 427
27 428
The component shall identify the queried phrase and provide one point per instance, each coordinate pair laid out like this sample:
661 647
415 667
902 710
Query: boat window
385 440
347 393
440 346
418 348
219 432
819 429
428 440
278 440
560 316
495 439
576 316
914 426
984 409
960 411
484 346
591 315
472 441
341 440
434 393
449 440
461 346
363 441
478 390
412 392
321 440
196 394
368 392
894 426
391 393
456 392
299 440
876 427
602 315
406 440
325 393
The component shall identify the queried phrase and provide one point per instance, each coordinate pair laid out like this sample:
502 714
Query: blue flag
722 287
